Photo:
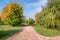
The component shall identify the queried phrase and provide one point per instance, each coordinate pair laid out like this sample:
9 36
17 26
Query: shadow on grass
7 33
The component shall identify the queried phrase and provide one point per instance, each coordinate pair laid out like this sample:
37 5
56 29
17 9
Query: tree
57 19
54 6
26 21
13 14
31 21
50 15
49 20
37 18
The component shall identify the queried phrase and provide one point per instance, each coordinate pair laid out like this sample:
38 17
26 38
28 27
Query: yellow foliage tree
37 18
9 9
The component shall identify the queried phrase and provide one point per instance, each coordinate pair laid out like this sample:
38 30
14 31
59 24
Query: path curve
28 33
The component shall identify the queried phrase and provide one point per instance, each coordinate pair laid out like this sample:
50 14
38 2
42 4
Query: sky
30 7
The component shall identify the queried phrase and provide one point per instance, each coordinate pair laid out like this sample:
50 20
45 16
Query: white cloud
38 5
38 9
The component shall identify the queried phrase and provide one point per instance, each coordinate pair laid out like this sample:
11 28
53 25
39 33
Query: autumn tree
12 14
37 18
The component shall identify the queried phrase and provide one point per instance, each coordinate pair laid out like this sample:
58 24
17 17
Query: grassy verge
47 32
7 31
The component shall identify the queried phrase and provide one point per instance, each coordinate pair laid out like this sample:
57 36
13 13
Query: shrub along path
28 33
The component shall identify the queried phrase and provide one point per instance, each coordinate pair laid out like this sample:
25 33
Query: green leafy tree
27 21
54 6
50 15
15 14
49 20
31 21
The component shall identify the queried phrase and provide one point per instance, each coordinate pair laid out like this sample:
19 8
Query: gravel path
28 33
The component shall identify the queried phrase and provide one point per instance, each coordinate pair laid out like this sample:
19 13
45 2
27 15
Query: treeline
50 15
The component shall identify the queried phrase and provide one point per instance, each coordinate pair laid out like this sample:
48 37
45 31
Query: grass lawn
7 31
46 32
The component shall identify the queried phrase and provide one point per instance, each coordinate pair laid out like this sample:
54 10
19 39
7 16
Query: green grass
46 32
7 31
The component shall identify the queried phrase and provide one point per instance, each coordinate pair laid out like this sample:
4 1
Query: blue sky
30 7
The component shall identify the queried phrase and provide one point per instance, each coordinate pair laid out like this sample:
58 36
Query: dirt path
28 33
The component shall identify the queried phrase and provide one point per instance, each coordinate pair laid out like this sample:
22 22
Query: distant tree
13 14
30 21
37 18
26 21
